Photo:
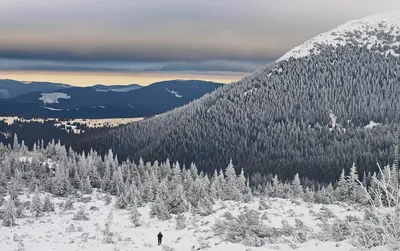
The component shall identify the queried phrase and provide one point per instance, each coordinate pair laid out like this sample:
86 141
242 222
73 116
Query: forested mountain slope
309 115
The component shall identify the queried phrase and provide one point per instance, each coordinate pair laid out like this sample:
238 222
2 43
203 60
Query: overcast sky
220 39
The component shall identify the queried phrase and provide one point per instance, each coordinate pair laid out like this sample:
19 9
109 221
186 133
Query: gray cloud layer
171 35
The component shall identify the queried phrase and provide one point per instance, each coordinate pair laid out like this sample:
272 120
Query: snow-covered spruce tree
176 201
117 182
60 183
309 195
213 191
13 191
121 202
106 179
355 191
342 189
159 209
321 196
162 190
221 185
16 145
277 188
94 176
296 187
147 190
135 215
205 206
241 183
231 191
9 215
48 205
37 205
330 193
86 186
131 193
19 212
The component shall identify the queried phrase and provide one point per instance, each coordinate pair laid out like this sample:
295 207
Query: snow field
58 230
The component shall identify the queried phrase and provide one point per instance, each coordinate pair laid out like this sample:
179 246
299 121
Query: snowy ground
58 231
91 123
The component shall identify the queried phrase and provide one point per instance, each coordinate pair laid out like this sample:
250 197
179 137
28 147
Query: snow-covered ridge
174 92
381 30
52 98
53 109
121 89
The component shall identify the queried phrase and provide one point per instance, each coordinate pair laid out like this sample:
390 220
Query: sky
86 42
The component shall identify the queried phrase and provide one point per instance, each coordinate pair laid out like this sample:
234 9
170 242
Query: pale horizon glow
115 78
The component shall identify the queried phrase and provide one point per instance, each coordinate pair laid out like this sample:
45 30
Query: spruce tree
159 209
309 195
117 183
231 190
48 205
296 187
135 215
342 189
87 186
176 200
37 205
9 215
355 192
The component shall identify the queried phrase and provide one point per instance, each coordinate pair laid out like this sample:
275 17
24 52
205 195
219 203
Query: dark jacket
159 236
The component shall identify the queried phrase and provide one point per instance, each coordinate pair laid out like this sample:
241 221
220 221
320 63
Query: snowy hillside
54 199
52 98
382 30
59 231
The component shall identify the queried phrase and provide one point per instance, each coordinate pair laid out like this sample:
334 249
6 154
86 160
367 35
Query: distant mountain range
12 88
99 101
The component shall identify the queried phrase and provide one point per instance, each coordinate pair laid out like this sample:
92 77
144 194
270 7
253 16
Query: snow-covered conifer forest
56 199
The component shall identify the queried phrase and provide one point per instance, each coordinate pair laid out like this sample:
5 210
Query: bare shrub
68 205
180 222
85 199
381 224
81 215
94 208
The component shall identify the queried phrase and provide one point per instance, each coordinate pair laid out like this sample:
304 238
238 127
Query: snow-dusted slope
52 98
59 230
381 30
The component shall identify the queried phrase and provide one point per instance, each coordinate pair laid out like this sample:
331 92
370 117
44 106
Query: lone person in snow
159 236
